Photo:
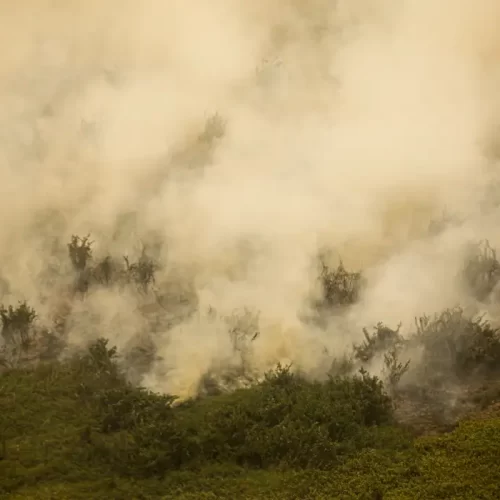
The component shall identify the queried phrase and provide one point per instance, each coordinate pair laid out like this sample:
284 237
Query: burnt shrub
339 286
455 345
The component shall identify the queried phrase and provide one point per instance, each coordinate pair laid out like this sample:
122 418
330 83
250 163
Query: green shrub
128 407
284 421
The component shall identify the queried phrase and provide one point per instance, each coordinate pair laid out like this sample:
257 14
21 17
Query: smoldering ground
239 139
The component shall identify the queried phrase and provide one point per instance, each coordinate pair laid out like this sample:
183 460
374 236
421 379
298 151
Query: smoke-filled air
221 187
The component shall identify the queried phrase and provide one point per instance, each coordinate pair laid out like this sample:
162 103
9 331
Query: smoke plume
240 139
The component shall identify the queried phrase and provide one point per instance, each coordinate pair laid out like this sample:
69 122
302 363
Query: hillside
75 422
77 430
249 249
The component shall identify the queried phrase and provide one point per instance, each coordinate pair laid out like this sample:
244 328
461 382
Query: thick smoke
246 137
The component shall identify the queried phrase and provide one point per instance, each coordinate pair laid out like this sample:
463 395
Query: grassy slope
46 427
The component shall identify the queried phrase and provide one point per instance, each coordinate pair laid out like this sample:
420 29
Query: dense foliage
78 429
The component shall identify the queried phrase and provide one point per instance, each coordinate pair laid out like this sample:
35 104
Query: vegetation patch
74 424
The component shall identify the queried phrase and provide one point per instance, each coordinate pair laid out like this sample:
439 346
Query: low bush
285 421
285 438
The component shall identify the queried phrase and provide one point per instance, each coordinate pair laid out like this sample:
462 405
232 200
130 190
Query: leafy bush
97 369
284 421
127 407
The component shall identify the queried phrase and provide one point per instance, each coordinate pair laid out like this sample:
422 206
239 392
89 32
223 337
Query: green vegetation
74 425
77 428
